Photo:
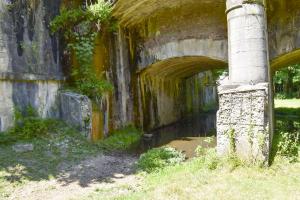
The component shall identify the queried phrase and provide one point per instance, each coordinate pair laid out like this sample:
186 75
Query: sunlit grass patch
287 103
287 107
122 140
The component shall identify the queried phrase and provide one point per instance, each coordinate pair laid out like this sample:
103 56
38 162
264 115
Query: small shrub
158 158
280 96
200 151
231 136
233 161
289 145
295 112
211 160
28 125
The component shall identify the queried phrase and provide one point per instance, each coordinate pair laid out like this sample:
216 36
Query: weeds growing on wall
231 136
80 27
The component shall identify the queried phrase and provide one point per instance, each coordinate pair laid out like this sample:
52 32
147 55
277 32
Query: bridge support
244 119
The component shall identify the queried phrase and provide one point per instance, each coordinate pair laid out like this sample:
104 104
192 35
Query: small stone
119 175
148 135
22 148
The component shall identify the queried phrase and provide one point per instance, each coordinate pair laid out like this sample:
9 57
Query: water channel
187 134
184 135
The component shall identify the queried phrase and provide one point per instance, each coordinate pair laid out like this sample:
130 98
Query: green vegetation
28 125
193 181
209 177
56 147
287 103
287 107
125 139
206 176
51 149
80 27
158 158
287 82
231 136
288 145
286 140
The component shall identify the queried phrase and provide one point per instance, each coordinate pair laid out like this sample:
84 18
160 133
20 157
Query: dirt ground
75 181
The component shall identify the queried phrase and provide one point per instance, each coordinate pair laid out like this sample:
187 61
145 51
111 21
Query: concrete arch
183 67
174 88
285 60
284 32
188 51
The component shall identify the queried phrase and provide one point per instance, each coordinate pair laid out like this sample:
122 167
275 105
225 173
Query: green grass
124 139
158 158
192 180
65 145
211 177
287 103
195 179
62 146
287 107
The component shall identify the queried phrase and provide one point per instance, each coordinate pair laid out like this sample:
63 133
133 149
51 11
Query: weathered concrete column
247 42
244 120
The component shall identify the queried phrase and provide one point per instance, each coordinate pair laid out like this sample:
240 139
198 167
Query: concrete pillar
244 119
247 42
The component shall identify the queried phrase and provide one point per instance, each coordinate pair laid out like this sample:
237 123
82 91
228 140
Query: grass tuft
124 139
159 158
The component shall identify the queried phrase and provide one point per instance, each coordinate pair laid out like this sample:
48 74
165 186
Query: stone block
245 110
22 148
76 110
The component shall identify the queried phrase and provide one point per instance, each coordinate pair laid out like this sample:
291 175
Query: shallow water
185 135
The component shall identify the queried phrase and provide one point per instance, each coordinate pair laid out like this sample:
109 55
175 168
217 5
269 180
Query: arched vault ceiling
286 60
131 12
183 67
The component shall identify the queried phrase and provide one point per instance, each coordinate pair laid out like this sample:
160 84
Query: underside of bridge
160 61
166 58
177 88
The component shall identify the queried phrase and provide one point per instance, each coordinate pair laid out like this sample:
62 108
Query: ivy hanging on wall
80 27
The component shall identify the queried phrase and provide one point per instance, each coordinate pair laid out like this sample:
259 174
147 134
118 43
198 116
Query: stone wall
243 121
121 74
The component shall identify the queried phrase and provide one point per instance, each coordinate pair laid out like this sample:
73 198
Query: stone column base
243 122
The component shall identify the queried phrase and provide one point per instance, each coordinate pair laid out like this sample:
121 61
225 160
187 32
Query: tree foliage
287 82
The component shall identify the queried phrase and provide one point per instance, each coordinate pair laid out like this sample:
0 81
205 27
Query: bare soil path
95 173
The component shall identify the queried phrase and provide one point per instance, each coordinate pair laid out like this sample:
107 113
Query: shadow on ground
68 158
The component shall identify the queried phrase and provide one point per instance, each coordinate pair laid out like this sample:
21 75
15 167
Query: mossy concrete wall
171 26
30 73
